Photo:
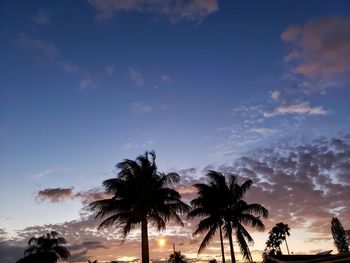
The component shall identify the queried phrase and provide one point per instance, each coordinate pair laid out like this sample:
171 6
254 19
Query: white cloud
275 95
298 108
137 77
144 145
138 107
263 131
174 10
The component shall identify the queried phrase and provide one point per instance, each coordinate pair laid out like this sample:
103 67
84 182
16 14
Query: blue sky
85 84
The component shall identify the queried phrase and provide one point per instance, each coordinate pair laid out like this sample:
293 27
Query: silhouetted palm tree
282 231
49 243
177 257
206 205
139 195
233 212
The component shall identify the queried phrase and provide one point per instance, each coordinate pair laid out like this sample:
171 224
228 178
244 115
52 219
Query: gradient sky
260 88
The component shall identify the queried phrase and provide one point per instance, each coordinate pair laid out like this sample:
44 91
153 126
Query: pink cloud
320 47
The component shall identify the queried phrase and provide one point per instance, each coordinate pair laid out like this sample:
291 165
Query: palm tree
49 243
139 195
177 257
281 230
206 205
233 212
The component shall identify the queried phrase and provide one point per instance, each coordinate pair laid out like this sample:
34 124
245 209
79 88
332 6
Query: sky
256 88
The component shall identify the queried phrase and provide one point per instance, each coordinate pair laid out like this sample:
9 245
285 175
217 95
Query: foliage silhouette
42 257
277 235
231 211
206 205
46 248
140 194
177 257
339 236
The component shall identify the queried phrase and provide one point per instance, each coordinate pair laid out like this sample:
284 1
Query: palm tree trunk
144 241
229 232
285 240
222 245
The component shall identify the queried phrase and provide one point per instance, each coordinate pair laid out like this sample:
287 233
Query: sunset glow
256 89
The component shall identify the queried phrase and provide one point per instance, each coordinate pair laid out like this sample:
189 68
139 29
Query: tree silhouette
339 236
177 257
46 248
139 195
206 205
231 210
277 235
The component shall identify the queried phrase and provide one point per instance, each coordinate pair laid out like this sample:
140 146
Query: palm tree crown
206 205
51 242
227 207
277 235
138 195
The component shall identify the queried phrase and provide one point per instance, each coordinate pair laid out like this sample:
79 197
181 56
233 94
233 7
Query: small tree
277 235
177 257
339 236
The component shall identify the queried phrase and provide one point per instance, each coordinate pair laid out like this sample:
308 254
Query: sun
161 242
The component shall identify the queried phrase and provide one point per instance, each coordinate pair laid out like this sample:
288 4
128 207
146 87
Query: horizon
260 89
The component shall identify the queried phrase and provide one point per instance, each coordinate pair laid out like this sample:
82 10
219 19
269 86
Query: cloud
263 131
47 53
45 49
298 108
303 184
137 77
275 95
87 83
144 145
320 47
41 174
138 107
41 18
174 10
165 78
55 194
61 194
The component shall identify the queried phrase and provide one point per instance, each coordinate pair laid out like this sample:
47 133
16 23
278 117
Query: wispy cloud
48 54
138 107
263 131
298 108
41 18
45 49
145 145
137 77
44 173
275 95
174 10
87 83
